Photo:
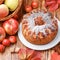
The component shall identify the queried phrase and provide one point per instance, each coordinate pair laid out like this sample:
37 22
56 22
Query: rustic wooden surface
11 53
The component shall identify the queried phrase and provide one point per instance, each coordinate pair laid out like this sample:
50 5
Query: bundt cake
39 27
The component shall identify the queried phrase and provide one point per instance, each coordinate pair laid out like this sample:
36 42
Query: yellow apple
12 4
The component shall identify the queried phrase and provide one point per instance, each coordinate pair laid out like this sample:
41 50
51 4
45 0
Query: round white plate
39 47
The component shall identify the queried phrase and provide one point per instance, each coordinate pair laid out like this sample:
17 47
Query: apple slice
30 53
58 58
53 7
22 54
54 56
48 0
37 56
51 2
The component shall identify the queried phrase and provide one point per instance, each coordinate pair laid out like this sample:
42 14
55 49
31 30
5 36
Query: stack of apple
7 6
9 28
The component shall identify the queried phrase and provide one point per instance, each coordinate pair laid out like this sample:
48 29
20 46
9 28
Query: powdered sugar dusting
39 28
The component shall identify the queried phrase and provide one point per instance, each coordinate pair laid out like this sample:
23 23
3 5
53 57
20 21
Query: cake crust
39 29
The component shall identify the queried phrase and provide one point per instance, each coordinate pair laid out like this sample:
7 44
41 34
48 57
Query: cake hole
39 21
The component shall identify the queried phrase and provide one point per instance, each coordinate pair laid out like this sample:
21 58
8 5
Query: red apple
2 48
4 11
11 26
2 34
35 4
28 8
13 39
6 42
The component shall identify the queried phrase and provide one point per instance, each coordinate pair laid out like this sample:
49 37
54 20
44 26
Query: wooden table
12 54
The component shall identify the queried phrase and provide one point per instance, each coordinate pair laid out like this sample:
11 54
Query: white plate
39 47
